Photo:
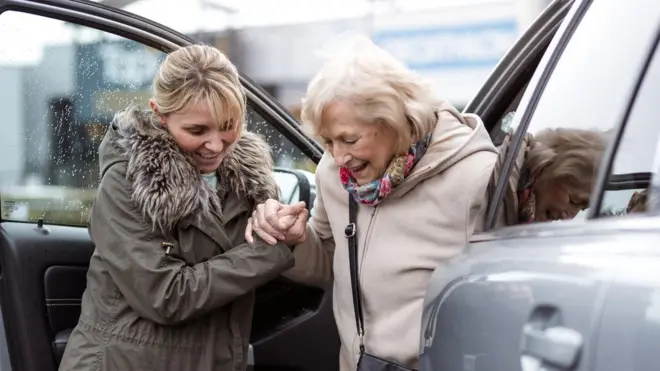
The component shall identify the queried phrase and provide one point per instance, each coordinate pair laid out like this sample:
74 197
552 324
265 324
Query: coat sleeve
478 198
315 255
162 288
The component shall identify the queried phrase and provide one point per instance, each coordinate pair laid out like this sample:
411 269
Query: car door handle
557 346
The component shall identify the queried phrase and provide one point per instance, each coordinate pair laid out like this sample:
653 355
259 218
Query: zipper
367 236
365 243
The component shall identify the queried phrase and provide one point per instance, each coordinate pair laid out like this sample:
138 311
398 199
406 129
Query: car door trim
95 21
601 226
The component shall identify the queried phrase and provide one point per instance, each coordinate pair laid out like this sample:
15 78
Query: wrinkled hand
273 222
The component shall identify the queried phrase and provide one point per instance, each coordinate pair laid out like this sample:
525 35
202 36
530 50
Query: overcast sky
189 16
270 12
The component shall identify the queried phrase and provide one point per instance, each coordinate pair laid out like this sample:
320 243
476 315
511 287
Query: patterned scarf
399 168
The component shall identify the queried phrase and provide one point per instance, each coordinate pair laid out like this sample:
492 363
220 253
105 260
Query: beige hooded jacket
425 220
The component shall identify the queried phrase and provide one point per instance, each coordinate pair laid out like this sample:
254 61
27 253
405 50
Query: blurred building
455 44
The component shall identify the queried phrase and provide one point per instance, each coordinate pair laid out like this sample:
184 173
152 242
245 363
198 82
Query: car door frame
142 30
537 86
512 75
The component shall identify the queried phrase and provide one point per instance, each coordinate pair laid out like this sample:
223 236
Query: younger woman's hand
273 222
297 232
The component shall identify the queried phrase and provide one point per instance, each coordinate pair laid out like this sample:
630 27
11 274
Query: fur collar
167 186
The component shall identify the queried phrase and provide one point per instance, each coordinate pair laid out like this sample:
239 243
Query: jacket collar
166 185
455 137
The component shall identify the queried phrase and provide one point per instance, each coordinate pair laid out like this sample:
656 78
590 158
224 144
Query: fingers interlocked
273 222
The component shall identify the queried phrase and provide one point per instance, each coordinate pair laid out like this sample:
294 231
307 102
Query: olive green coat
171 282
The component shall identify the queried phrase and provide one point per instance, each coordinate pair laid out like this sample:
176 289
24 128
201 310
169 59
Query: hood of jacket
167 185
455 137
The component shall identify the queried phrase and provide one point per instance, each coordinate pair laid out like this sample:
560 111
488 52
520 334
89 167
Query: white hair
380 87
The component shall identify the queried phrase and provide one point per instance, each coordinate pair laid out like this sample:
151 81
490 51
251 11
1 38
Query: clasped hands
276 222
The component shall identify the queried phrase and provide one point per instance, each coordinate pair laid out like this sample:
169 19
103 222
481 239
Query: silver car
579 294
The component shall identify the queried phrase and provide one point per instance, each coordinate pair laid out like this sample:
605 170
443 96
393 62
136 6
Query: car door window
627 189
569 126
285 153
60 84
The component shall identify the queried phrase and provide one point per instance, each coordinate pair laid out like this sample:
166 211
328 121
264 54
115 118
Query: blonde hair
201 74
380 87
571 155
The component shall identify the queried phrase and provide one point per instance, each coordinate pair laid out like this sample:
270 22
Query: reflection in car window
634 162
556 167
57 98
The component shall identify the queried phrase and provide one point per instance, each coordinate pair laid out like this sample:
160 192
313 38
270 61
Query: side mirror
295 185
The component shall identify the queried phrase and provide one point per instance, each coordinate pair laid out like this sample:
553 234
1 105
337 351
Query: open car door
72 64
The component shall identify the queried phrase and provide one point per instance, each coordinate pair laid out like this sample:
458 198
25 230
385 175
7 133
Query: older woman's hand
273 221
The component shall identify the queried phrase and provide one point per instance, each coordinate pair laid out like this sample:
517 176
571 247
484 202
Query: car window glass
555 170
627 189
285 153
60 84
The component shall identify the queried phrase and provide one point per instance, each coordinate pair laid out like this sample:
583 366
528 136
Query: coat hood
166 184
455 137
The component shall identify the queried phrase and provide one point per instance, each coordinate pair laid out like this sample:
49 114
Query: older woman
417 170
552 176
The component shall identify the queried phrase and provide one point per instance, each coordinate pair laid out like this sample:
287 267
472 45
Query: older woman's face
364 148
558 200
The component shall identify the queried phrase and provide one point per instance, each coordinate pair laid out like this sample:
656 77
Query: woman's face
557 199
364 148
196 133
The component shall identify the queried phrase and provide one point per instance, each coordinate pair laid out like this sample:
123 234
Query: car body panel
629 328
478 304
599 274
